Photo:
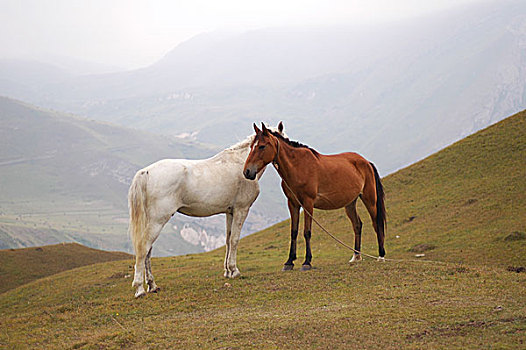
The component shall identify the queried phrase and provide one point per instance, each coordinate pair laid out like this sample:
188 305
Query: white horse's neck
240 150
242 145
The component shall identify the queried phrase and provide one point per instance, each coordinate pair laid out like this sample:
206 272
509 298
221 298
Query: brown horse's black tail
381 218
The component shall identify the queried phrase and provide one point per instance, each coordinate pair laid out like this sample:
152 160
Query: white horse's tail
138 206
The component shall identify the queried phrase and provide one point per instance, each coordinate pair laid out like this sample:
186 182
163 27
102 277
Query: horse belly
338 186
329 197
330 202
201 210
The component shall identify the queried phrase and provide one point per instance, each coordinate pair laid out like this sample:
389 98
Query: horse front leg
308 208
294 210
229 218
238 219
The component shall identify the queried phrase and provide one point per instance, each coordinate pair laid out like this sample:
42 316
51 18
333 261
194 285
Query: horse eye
262 146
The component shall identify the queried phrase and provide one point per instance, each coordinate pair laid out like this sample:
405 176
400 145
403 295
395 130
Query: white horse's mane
242 144
248 140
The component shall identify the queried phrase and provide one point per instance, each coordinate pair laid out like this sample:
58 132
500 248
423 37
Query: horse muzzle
250 173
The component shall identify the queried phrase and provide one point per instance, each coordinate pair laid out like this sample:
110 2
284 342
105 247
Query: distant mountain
66 178
76 66
394 92
26 78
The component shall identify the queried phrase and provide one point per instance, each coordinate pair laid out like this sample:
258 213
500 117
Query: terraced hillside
463 207
65 178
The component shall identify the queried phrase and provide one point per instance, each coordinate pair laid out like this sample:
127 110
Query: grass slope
467 201
20 266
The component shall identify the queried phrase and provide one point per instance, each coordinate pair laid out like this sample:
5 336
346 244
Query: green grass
467 202
465 199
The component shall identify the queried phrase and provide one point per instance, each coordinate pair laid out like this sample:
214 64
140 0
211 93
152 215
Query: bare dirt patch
515 236
423 247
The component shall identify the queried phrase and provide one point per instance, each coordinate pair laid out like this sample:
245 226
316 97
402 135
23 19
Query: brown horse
319 181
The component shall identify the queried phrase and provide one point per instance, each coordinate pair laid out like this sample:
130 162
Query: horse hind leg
142 261
152 287
352 214
138 279
369 199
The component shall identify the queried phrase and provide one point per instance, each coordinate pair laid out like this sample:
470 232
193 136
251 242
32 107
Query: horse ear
280 127
256 129
264 128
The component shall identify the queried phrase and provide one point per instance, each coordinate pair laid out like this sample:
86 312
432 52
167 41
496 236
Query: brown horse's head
263 150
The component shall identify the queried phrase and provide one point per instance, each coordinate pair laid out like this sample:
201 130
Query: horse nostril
249 175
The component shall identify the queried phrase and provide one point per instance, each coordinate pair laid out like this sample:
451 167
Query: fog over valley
73 132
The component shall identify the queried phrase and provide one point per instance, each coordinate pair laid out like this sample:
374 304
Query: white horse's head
278 129
244 146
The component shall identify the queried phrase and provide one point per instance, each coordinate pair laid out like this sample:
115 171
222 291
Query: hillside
468 200
20 266
463 207
65 178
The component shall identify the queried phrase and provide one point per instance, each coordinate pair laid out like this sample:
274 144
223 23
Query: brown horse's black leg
294 221
351 212
378 222
308 254
381 238
289 265
309 208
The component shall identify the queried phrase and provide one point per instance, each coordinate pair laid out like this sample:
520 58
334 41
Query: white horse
193 187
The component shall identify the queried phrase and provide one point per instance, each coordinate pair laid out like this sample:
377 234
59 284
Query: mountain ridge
65 178
417 85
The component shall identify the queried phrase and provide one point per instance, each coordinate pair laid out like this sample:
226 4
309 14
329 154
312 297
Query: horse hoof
305 267
355 258
154 290
140 294
232 274
287 268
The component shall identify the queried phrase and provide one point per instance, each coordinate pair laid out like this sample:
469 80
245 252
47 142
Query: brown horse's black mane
295 144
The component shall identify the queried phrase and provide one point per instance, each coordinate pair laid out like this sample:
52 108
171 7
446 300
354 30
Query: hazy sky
135 33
